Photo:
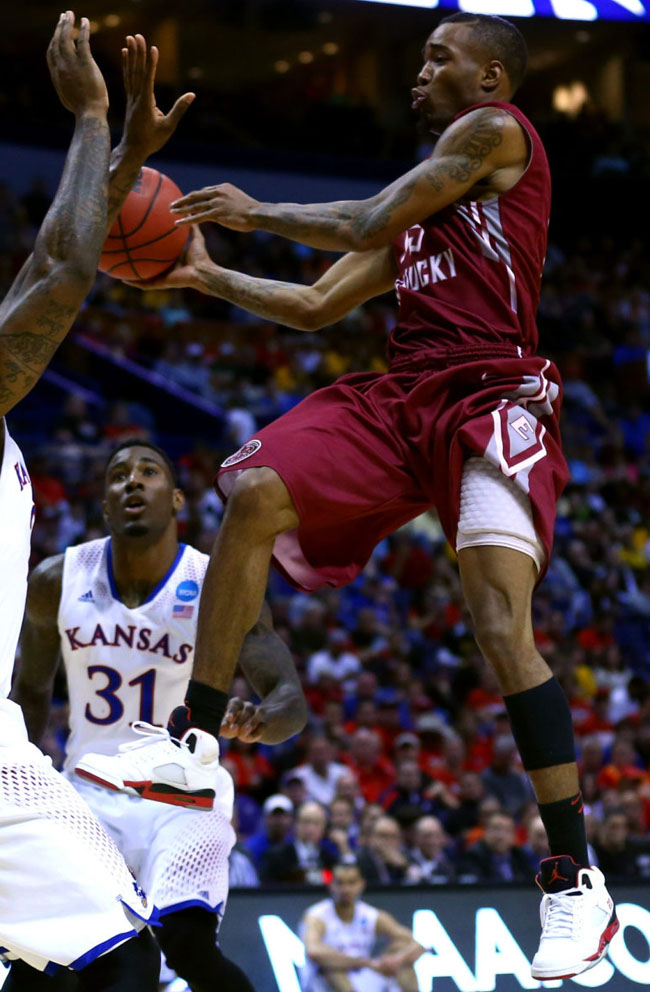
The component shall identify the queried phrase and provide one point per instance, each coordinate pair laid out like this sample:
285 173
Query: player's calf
187 938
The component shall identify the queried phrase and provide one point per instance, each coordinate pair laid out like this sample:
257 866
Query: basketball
144 242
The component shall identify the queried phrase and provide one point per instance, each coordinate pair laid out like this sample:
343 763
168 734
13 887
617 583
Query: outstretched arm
146 128
352 280
39 646
478 147
266 663
44 299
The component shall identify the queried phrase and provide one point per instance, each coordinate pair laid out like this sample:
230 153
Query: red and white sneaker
158 767
578 919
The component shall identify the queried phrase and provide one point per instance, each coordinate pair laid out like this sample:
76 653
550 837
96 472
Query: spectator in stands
277 829
413 790
334 660
617 853
373 770
383 860
305 858
428 862
536 846
465 816
503 780
320 773
496 858
343 830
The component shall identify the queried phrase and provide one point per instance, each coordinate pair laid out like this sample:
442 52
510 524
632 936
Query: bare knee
260 502
504 636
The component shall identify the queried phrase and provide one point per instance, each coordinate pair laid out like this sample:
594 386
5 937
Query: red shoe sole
201 799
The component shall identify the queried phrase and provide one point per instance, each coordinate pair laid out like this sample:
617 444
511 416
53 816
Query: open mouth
134 506
418 99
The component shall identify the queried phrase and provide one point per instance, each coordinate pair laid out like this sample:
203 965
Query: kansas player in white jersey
341 934
122 612
67 899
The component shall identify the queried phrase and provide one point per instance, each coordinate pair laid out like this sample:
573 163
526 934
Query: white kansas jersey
16 518
356 938
124 664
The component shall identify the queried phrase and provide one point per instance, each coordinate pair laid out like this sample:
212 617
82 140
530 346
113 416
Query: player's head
141 498
347 882
468 59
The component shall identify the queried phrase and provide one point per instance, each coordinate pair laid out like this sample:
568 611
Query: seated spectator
618 855
373 770
465 816
307 857
503 780
496 858
413 790
536 847
347 787
428 863
343 830
383 860
320 773
242 873
334 660
277 829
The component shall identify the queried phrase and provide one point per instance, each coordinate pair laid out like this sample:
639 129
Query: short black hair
501 40
134 442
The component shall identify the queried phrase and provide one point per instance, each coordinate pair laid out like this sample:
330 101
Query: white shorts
494 510
363 980
179 856
66 894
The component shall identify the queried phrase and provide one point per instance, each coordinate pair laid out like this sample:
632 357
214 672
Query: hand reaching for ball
185 272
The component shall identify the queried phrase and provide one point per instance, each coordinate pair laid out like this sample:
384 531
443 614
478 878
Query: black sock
565 827
204 708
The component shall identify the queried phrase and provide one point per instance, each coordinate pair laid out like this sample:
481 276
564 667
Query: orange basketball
144 242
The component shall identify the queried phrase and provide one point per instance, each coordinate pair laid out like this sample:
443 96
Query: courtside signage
478 941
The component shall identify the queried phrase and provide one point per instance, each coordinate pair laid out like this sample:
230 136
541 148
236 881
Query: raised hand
224 204
146 128
75 74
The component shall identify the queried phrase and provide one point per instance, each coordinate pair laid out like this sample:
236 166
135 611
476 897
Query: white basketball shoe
578 919
158 767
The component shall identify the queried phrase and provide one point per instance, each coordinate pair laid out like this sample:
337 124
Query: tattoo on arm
278 301
41 305
466 151
352 224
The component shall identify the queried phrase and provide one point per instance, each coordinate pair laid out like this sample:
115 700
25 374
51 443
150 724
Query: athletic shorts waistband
437 361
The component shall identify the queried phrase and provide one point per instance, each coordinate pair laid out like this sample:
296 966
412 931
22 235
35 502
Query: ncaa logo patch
245 451
187 590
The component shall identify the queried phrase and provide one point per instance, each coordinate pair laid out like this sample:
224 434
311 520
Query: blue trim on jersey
176 908
99 949
154 592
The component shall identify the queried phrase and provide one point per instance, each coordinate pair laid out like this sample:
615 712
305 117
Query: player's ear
493 75
178 500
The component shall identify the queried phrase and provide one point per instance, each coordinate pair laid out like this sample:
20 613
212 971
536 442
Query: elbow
75 272
299 715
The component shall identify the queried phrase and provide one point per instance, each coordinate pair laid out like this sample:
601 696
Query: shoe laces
563 913
148 733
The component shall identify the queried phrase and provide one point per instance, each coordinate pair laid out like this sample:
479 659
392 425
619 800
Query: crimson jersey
469 276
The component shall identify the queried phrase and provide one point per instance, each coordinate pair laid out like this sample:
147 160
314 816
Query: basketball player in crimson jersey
121 611
465 419
67 898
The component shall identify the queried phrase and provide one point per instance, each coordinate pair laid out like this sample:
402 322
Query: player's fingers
152 65
180 107
255 723
66 43
55 40
130 60
83 39
196 234
235 706
195 197
208 213
140 61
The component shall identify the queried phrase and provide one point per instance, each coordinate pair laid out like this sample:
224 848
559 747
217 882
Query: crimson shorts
365 455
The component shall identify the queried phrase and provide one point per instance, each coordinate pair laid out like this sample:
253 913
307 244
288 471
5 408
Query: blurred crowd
407 759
